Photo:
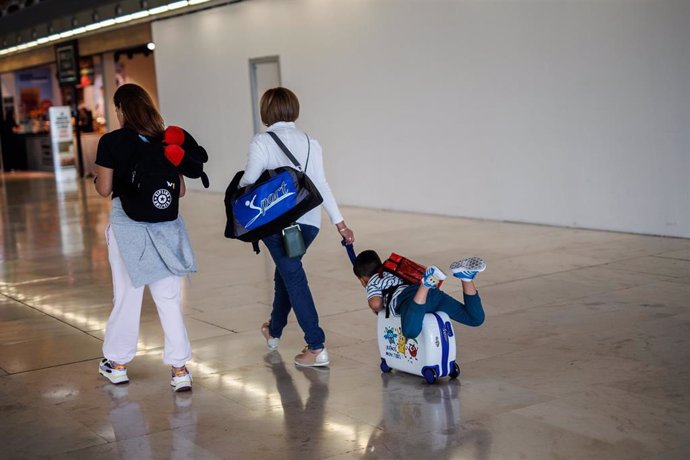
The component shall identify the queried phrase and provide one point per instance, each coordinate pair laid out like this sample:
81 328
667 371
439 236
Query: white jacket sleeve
318 176
257 161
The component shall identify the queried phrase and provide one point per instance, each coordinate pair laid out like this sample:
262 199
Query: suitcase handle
350 250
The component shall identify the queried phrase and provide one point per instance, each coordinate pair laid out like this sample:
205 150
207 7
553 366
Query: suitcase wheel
429 375
455 372
384 366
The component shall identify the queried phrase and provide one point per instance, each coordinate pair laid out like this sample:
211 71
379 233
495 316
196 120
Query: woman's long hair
138 111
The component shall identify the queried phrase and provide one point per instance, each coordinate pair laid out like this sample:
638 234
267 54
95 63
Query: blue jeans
292 291
412 314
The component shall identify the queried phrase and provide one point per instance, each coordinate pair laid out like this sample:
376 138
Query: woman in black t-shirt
141 254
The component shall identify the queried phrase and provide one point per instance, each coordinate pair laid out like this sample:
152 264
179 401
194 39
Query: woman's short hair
367 263
138 111
279 104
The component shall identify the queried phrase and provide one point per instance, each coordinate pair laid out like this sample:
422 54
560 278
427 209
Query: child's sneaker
116 373
271 342
467 269
181 379
312 358
433 277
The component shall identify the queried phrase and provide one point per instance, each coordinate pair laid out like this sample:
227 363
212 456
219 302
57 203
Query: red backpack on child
409 271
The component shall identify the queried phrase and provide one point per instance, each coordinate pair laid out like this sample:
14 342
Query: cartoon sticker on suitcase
432 354
398 346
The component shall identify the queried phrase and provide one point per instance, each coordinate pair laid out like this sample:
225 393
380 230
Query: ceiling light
132 17
100 25
159 9
176 5
120 19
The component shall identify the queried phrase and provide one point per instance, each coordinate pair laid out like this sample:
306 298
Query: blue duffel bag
276 200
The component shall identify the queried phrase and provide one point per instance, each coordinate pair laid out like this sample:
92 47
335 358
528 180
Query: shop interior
28 94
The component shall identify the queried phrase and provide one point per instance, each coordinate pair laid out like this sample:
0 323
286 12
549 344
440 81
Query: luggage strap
387 296
289 154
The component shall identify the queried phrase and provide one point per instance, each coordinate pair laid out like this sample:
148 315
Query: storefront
29 91
27 96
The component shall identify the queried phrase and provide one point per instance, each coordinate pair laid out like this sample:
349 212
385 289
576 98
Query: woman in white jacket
279 110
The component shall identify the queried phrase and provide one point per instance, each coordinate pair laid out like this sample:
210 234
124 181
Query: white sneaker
312 358
181 379
433 277
116 373
271 342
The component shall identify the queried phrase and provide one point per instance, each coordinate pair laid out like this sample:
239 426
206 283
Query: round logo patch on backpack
162 198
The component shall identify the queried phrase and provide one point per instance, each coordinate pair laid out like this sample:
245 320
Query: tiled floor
585 352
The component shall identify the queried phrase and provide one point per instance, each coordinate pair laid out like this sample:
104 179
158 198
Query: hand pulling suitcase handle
350 250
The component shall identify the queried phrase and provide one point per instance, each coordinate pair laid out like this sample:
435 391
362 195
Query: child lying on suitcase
411 301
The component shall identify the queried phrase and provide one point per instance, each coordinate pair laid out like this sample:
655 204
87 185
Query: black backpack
153 183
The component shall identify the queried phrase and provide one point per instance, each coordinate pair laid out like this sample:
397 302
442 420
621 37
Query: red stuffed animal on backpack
182 150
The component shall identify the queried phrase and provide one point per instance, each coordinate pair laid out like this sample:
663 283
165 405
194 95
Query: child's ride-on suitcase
431 354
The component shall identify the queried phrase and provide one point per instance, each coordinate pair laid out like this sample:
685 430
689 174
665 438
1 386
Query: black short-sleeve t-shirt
115 150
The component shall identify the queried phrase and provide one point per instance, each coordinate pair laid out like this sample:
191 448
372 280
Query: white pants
122 329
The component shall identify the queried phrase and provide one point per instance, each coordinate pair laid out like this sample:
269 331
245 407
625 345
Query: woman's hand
345 232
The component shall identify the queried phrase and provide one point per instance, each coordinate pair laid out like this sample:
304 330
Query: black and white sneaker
116 373
181 379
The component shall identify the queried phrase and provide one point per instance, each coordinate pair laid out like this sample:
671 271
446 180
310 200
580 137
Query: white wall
571 112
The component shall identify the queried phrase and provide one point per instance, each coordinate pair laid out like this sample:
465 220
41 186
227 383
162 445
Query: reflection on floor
584 353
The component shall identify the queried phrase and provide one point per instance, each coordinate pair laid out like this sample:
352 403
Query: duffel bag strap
255 247
308 153
287 152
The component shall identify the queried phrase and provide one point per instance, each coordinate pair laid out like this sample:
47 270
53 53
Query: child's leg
412 308
412 311
471 313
